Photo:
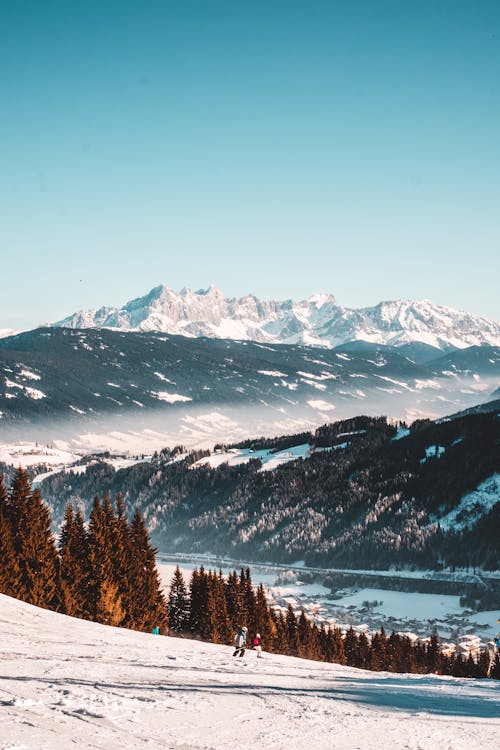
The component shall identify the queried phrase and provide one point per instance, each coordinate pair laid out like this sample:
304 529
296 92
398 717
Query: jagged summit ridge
315 321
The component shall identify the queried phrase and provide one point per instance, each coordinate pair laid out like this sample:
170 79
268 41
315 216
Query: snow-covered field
67 683
270 459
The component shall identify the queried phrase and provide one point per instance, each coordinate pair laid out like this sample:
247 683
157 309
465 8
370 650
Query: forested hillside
365 495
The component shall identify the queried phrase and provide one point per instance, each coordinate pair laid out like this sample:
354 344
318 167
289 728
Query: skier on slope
240 641
257 644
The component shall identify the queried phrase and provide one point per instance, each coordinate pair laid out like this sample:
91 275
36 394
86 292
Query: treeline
326 435
214 607
104 571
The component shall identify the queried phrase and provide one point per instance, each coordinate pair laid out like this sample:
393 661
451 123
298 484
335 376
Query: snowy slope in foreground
68 683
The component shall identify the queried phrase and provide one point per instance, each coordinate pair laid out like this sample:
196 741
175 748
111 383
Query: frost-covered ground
66 683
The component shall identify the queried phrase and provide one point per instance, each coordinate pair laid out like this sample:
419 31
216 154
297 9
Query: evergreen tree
196 604
304 639
10 573
336 645
433 661
178 603
105 600
280 643
264 623
291 632
74 565
150 604
34 545
124 561
224 625
234 601
249 601
351 648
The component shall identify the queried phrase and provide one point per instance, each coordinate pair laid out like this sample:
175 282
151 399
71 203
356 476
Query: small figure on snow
257 644
156 630
240 641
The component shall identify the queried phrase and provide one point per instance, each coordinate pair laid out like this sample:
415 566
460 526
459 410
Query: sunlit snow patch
273 373
34 393
29 374
474 505
170 398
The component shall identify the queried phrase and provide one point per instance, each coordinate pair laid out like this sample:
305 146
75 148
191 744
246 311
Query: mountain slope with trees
366 496
84 376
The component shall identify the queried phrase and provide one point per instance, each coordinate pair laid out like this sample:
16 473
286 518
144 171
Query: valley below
416 603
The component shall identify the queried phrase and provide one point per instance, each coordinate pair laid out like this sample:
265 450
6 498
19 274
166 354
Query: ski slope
66 683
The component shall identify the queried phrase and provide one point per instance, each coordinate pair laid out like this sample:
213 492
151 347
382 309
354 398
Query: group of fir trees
214 607
104 571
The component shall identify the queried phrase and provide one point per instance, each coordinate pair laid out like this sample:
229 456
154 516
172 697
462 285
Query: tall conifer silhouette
178 603
150 606
74 565
106 602
10 573
34 544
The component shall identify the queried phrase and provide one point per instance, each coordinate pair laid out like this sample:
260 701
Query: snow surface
170 398
270 460
406 604
474 505
69 683
29 454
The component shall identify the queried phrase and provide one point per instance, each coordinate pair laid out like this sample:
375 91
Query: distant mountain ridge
174 383
316 321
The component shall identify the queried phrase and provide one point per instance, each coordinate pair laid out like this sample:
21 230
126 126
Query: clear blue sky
280 147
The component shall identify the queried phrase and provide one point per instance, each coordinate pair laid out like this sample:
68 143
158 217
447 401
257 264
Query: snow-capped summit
316 321
4 332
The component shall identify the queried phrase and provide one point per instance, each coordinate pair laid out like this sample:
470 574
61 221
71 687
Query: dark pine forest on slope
105 571
366 496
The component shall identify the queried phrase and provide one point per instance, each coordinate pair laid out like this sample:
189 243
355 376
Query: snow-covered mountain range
316 321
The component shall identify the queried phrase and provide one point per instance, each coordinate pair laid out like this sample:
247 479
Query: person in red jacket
257 645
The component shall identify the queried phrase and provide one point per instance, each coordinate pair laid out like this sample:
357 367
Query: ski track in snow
66 683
